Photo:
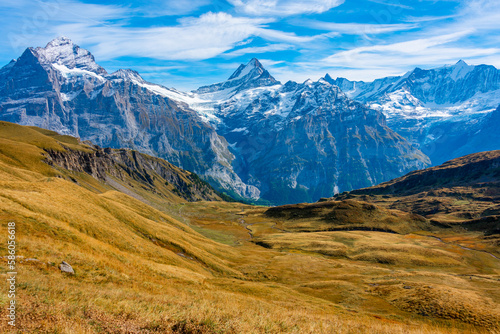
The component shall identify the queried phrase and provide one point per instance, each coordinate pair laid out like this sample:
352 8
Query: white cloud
154 8
430 51
419 19
412 47
442 40
30 23
370 62
105 30
355 28
289 37
392 4
192 39
284 7
260 49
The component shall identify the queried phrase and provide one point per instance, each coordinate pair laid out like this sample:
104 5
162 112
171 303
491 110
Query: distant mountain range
297 141
251 135
444 111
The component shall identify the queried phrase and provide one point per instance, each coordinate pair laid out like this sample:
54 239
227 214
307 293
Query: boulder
66 268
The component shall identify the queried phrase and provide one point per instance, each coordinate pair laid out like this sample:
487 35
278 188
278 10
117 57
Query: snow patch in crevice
76 72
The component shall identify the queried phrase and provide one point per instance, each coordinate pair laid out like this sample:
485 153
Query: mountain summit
64 53
251 75
253 69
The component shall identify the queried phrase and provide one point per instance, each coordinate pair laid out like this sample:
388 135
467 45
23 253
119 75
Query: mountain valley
155 250
249 205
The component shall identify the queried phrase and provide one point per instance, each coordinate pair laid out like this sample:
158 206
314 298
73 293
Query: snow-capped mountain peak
126 74
460 70
63 52
61 40
328 79
251 75
253 68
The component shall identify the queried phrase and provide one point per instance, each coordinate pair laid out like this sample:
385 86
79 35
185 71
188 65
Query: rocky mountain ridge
440 110
311 135
463 192
288 142
112 165
60 87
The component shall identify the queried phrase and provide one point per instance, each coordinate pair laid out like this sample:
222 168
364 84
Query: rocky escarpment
462 192
111 165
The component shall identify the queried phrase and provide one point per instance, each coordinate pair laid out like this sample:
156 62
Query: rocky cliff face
60 87
298 142
441 110
121 165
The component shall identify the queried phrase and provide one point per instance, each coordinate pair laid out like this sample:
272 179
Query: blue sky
189 43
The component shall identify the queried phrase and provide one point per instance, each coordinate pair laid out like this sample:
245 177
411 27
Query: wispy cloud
354 28
107 31
430 51
282 8
290 37
192 39
28 23
259 49
407 48
155 8
438 40
393 4
415 19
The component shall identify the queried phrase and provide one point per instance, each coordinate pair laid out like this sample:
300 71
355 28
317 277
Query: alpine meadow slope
152 257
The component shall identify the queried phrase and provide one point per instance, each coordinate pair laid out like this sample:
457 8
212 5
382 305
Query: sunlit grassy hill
461 194
155 250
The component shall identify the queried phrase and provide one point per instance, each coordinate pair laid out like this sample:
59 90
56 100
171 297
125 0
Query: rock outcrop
66 268
124 165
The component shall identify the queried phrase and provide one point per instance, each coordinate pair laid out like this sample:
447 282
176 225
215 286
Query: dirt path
246 226
250 232
455 244
279 229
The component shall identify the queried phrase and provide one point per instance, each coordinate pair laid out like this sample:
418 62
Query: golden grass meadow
147 260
